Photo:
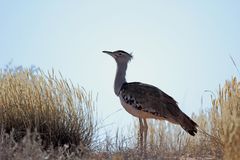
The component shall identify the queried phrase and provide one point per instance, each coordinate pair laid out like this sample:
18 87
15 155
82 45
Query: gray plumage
147 101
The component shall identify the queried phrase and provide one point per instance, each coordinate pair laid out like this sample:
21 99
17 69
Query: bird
146 101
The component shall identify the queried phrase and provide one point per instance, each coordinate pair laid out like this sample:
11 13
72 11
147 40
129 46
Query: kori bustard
146 101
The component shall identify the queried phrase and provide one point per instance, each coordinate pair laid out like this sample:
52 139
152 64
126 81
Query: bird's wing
150 99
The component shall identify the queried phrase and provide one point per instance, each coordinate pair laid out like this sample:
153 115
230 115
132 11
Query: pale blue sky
182 47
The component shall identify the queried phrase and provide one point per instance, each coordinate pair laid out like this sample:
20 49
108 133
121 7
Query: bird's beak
108 52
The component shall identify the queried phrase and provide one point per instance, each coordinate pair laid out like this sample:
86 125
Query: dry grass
30 147
48 111
58 111
226 118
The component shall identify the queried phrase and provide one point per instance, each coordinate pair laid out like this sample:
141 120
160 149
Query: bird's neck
120 77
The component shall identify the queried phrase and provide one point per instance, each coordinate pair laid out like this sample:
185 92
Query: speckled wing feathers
149 99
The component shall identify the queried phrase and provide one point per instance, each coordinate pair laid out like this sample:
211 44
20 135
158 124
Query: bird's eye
119 54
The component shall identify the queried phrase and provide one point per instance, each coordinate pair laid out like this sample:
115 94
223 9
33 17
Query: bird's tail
188 124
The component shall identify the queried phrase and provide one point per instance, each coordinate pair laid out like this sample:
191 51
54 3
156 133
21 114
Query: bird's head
120 56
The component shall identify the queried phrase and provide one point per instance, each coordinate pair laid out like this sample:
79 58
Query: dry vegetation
60 113
45 117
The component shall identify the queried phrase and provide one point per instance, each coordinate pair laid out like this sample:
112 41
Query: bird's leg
145 130
140 138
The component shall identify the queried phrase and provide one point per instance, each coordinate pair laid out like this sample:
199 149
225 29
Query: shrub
60 112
